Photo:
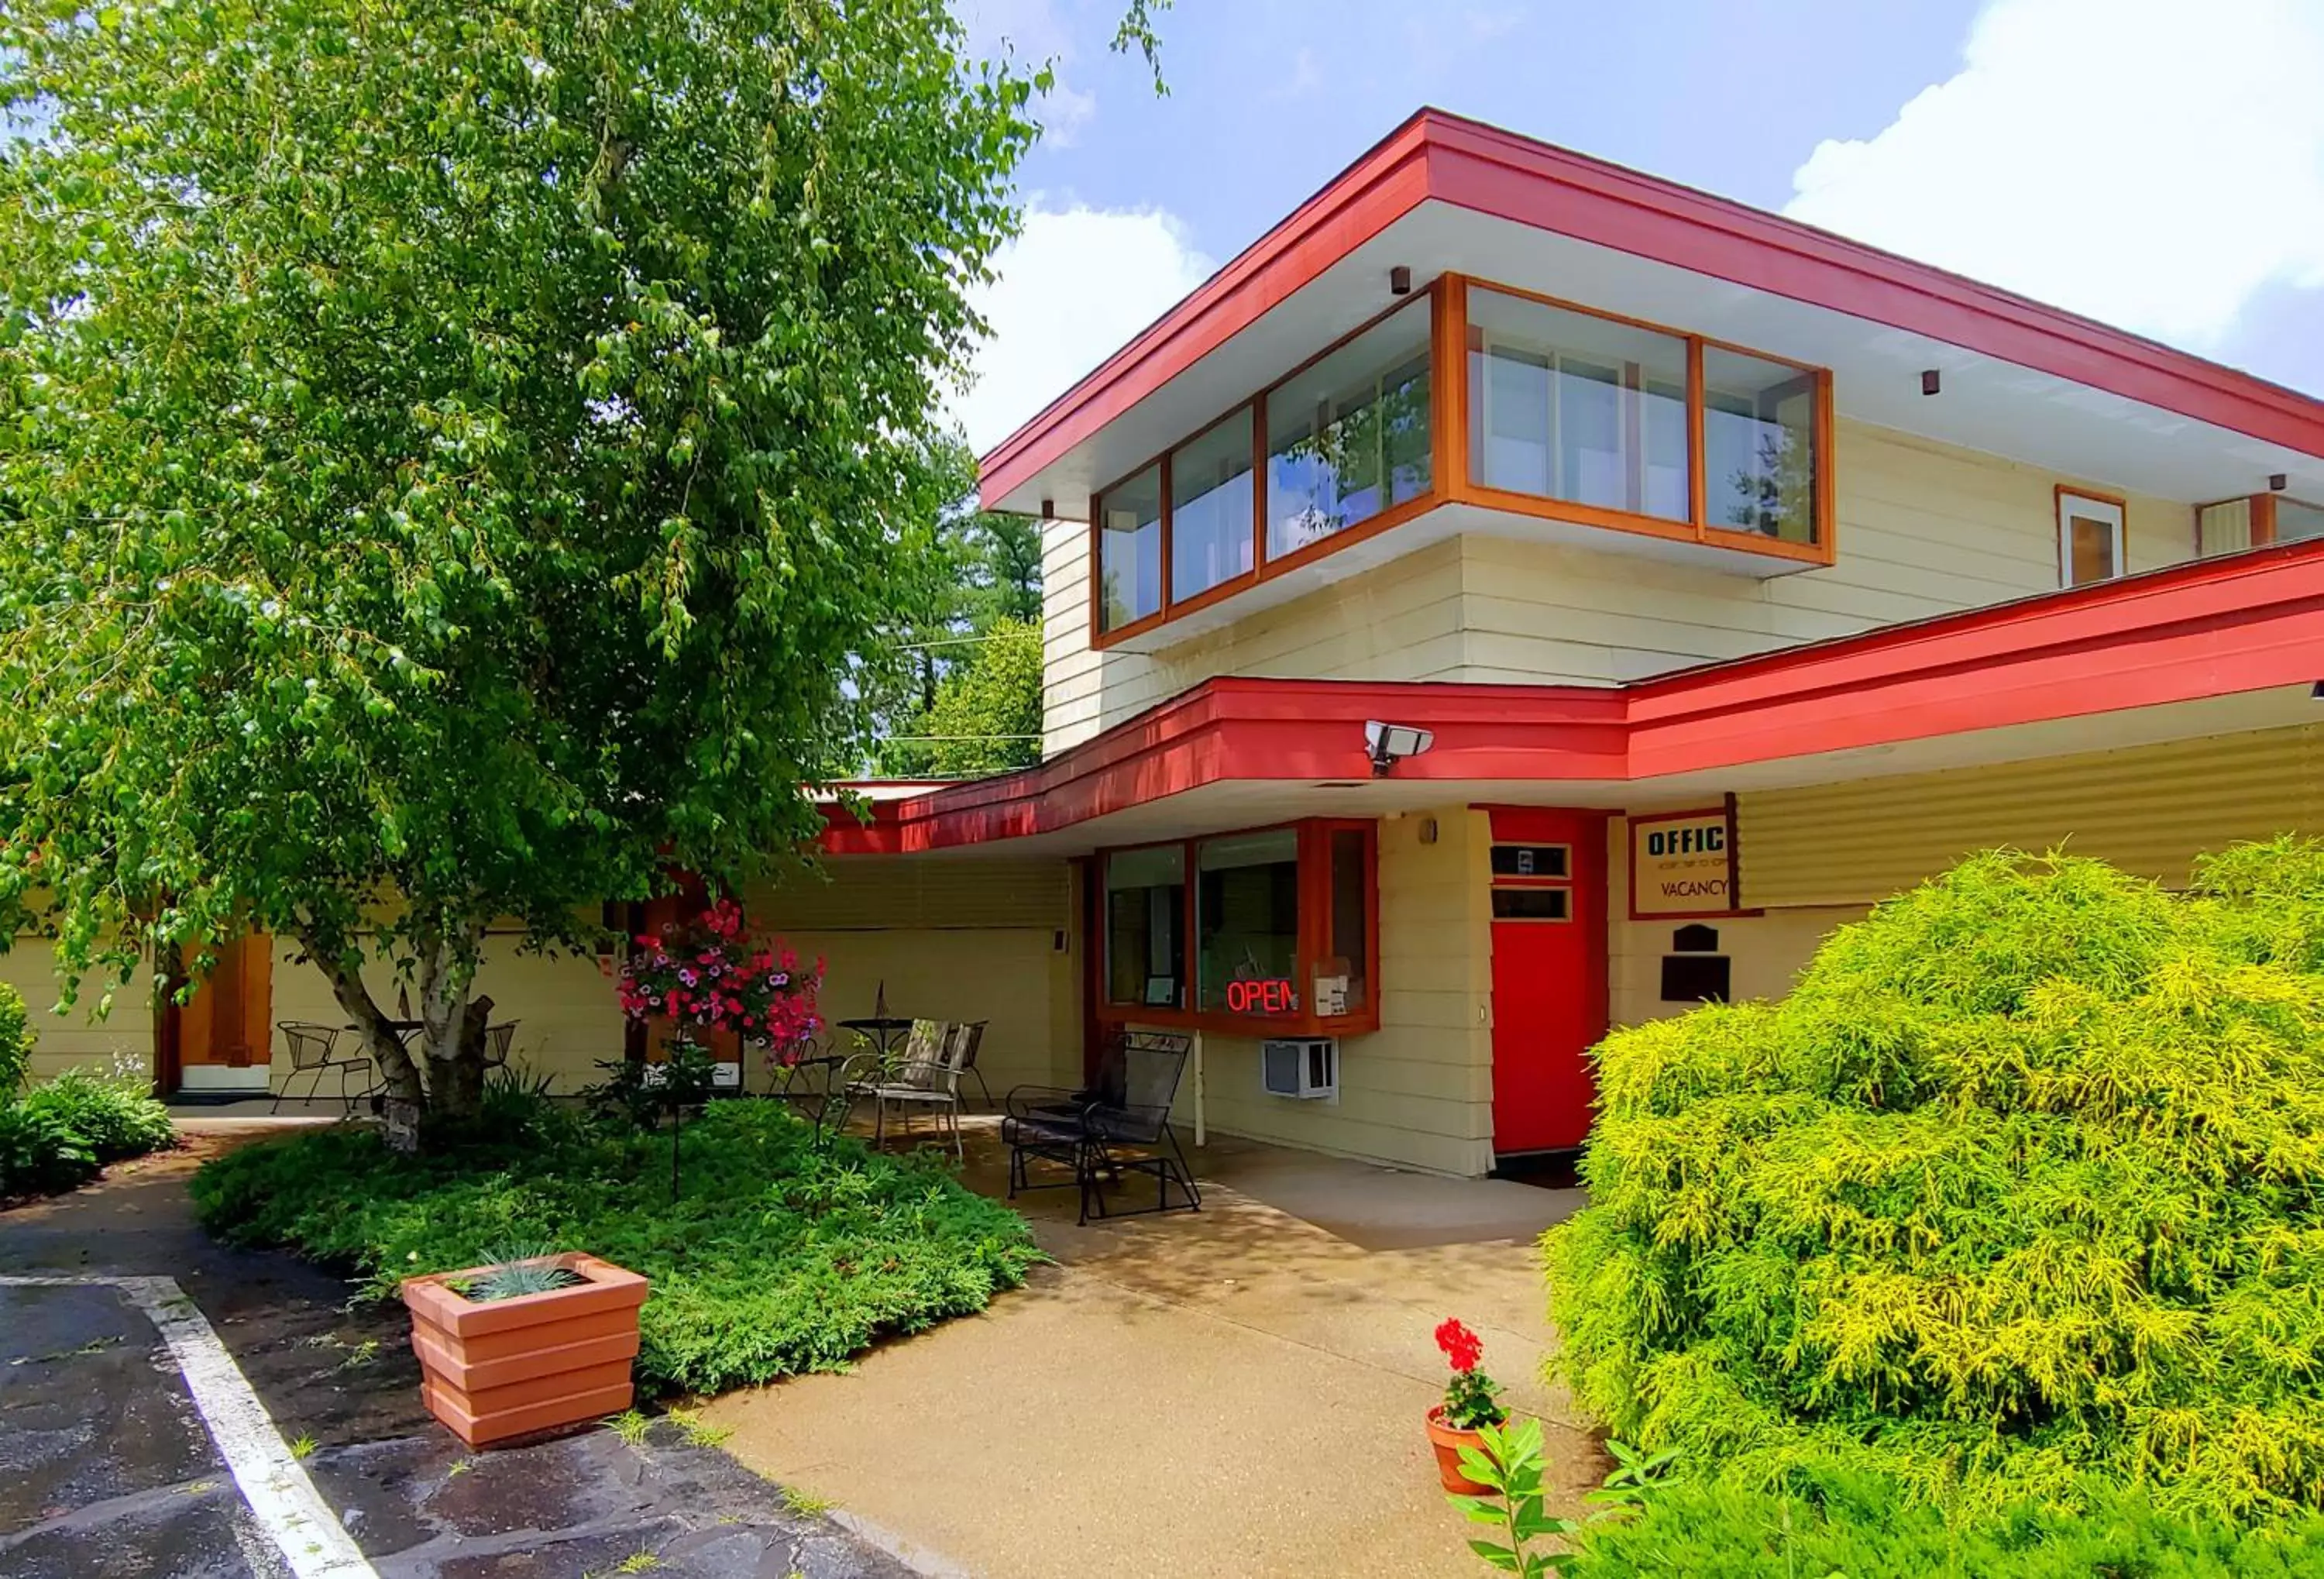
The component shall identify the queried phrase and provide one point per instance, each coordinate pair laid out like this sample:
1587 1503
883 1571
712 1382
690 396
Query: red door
1549 974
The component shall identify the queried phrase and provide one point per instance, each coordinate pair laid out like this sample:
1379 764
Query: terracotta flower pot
498 1371
1448 1441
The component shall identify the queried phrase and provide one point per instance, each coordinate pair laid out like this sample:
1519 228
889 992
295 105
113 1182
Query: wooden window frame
2120 505
1450 481
1314 858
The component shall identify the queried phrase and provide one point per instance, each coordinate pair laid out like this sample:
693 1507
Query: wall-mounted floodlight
1389 743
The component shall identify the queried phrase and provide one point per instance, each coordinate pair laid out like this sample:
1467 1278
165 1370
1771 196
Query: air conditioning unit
1301 1067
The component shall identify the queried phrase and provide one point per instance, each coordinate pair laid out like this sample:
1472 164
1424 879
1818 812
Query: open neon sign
1272 996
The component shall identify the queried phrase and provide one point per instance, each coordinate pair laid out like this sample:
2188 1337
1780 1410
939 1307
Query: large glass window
1342 984
1566 406
1210 508
2296 519
1130 550
1247 922
1146 927
1759 453
1349 438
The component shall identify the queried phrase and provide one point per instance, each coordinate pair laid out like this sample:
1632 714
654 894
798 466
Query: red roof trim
2204 629
1475 166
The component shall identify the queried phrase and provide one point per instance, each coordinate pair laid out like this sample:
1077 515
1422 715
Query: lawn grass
779 1258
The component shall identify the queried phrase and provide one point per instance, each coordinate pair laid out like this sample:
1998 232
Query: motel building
1517 596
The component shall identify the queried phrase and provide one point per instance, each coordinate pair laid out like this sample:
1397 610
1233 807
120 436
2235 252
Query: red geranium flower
1463 1347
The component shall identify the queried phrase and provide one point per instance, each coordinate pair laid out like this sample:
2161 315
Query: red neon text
1270 997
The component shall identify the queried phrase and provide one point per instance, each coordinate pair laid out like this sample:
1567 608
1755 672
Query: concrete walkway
1237 1393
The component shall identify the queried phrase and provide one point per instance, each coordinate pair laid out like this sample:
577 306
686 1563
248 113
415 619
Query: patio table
884 1029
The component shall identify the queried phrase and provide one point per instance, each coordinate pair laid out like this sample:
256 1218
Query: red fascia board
2205 629
1482 167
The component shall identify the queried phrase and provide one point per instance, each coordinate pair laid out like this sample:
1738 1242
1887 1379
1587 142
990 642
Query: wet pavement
107 1465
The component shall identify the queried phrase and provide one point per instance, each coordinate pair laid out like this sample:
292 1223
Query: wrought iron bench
1119 1124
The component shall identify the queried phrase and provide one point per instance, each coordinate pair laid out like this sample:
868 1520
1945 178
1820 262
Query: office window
1247 921
2090 538
1130 549
1146 927
1568 406
1349 438
1210 508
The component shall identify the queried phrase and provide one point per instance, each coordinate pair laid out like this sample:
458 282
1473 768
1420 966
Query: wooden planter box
505 1369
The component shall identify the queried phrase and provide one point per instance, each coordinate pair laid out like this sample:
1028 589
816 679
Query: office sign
1682 864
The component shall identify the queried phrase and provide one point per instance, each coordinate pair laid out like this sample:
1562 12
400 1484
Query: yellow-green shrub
2023 1185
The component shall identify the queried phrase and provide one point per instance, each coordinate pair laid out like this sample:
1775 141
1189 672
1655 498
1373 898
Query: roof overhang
2209 647
2020 379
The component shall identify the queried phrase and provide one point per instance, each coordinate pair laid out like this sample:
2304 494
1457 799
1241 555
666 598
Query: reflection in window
1566 406
1247 912
1758 446
1146 927
1349 438
2090 539
2225 527
1340 985
1130 549
1210 508
2296 519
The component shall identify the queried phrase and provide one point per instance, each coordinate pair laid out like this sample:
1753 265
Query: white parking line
283 1500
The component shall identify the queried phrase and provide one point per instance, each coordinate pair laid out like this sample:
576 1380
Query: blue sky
2152 162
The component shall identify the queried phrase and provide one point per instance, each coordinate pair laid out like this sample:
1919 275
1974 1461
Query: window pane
1531 904
1341 987
1210 508
1146 927
1247 915
1130 546
1349 437
2295 519
2093 550
1758 446
1566 406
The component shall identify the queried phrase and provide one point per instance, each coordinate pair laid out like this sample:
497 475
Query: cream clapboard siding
1924 529
1399 621
1418 1092
2149 809
78 1037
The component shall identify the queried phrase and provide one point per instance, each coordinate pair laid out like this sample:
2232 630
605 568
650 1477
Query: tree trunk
453 1045
406 1100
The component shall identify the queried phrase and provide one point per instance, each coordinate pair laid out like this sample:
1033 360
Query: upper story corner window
1210 503
2296 519
1348 437
1565 405
1130 549
2090 538
1759 458
2254 520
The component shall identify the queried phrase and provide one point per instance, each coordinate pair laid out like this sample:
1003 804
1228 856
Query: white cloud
2152 164
1074 288
1032 33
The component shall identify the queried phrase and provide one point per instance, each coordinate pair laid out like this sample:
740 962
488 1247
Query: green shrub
112 1112
779 1258
39 1153
2020 1187
1837 1525
16 1043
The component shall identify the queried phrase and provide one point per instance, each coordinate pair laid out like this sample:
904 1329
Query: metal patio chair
1119 1124
921 1073
972 1036
498 1040
314 1052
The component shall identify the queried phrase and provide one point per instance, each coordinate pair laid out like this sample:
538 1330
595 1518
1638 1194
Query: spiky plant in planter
516 1271
526 1346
